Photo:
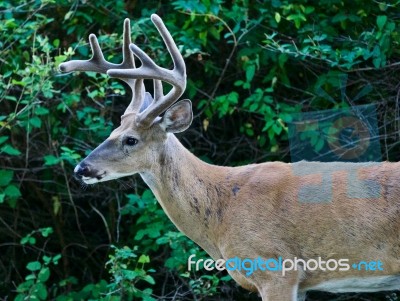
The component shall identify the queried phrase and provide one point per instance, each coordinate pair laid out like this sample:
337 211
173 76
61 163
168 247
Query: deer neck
188 190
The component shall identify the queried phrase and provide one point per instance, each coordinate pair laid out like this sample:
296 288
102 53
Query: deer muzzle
87 173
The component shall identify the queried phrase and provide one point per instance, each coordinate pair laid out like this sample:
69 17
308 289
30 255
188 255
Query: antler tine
158 89
97 63
179 63
149 70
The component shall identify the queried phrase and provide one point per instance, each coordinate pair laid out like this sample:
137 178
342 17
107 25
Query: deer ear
178 117
148 99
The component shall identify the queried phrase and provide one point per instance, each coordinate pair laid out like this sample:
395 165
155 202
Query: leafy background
251 66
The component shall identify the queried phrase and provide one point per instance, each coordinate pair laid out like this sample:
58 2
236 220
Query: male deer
303 210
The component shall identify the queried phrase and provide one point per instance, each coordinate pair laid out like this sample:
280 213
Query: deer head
136 144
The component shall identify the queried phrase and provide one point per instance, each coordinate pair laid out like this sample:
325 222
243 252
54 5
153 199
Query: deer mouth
93 180
86 173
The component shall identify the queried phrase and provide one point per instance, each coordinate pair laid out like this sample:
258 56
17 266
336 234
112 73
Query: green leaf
66 149
56 259
30 277
233 97
383 6
24 240
250 71
253 107
46 259
10 150
282 59
377 62
51 160
12 191
277 128
291 17
56 43
319 145
18 83
309 10
59 59
41 111
44 274
46 231
6 177
35 122
149 279
237 83
34 266
381 21
144 259
41 291
277 17
93 94
214 32
3 139
68 15
297 23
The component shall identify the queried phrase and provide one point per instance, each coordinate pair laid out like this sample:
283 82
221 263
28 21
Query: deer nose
82 170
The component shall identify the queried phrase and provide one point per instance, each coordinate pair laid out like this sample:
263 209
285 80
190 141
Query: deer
337 212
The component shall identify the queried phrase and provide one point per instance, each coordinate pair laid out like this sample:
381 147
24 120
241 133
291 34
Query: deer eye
130 141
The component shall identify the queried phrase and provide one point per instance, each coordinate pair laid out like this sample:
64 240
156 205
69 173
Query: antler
134 77
149 70
97 63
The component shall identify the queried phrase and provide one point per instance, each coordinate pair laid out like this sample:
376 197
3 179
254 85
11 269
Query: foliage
251 67
127 270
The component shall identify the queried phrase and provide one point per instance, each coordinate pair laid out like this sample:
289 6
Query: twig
104 221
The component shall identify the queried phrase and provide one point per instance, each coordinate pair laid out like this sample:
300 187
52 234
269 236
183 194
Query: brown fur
254 211
304 210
